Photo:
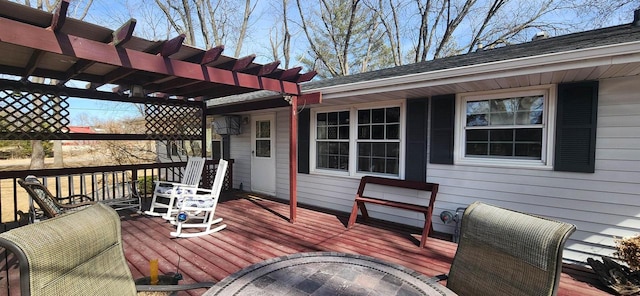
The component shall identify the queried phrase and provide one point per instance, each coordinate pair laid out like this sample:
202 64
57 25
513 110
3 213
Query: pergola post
293 158
208 178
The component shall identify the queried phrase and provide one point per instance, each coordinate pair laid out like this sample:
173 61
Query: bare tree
438 28
124 152
212 22
388 14
179 17
343 37
598 13
442 28
280 34
79 10
248 10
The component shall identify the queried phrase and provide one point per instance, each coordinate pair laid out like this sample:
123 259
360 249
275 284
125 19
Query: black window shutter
576 122
442 129
416 149
303 140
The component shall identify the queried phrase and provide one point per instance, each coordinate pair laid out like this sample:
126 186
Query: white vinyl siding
602 205
282 154
240 152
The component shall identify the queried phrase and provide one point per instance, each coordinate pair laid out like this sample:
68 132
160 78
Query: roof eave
590 57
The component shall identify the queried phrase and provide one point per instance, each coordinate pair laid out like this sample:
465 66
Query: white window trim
548 129
353 135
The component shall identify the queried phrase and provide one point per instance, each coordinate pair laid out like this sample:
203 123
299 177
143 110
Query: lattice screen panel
30 114
173 122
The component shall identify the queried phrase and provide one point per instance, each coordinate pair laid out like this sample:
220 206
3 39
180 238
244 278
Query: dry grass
14 197
8 203
21 199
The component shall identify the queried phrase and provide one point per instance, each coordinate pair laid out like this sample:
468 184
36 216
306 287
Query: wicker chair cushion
503 252
75 254
44 197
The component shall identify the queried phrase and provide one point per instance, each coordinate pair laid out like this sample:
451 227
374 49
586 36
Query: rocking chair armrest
172 184
171 288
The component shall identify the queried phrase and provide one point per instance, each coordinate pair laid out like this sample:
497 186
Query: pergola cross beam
119 38
123 34
59 16
84 49
32 64
212 55
172 46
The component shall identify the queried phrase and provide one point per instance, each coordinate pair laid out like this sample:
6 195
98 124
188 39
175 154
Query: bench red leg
425 230
354 214
363 211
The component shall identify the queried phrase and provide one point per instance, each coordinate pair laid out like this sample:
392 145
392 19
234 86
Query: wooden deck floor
258 229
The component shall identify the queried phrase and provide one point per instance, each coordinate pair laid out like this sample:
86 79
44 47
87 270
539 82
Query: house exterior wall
603 205
282 154
240 146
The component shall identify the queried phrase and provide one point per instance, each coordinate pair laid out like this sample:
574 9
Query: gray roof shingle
582 40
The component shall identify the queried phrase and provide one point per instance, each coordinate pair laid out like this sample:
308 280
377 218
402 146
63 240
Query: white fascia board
258 95
582 58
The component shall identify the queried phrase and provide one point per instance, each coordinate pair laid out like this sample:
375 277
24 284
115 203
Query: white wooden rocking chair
197 209
163 190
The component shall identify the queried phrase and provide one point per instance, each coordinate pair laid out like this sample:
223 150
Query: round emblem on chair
182 216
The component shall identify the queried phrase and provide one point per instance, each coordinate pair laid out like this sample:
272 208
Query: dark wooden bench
360 200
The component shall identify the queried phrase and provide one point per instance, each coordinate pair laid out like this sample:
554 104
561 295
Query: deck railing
100 182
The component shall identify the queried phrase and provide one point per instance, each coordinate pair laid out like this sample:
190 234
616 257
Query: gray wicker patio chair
79 253
503 252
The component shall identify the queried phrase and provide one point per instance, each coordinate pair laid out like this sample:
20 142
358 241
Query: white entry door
263 154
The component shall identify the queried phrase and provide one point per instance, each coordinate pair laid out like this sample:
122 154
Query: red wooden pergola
35 43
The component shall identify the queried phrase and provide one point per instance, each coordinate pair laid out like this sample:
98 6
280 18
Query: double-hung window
332 140
379 140
506 128
359 140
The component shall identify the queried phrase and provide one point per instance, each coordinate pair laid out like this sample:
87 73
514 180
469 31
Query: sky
83 112
113 13
90 112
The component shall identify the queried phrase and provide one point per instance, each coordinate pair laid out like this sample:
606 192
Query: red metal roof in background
81 129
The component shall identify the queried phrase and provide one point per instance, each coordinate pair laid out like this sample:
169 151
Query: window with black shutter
442 129
576 127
